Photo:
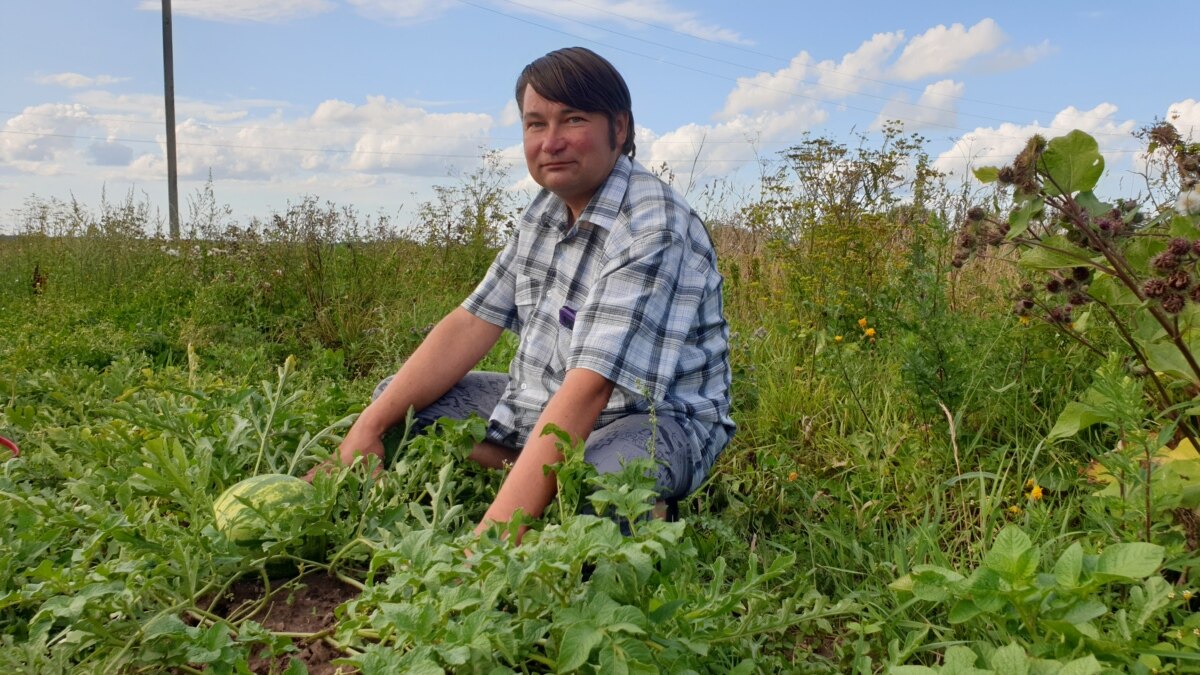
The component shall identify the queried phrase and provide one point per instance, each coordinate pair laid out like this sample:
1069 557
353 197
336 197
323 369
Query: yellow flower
1029 484
870 332
1187 595
1015 510
1036 493
837 338
1024 320
862 323
793 476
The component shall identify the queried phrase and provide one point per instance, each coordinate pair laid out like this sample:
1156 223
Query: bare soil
304 605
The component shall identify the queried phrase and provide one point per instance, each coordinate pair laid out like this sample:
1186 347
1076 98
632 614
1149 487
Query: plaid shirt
630 291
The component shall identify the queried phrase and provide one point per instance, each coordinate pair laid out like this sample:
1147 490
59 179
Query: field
966 440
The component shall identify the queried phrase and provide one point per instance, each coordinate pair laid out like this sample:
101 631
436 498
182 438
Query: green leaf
1068 567
1111 291
1140 251
1075 418
1071 163
1085 611
963 611
1054 253
577 644
1010 660
1136 560
1181 226
1012 555
1087 199
1165 357
986 174
1019 219
1087 665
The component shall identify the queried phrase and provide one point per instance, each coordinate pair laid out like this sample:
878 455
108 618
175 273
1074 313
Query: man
610 281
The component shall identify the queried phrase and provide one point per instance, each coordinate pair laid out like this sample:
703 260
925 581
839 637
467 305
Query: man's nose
555 142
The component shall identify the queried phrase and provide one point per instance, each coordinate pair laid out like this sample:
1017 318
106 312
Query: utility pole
169 93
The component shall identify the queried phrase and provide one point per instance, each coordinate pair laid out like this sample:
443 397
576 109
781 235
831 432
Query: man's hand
361 440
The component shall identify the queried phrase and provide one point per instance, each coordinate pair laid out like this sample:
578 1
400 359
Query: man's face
567 150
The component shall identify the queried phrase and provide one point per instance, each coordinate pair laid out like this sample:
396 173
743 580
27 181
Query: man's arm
455 345
574 409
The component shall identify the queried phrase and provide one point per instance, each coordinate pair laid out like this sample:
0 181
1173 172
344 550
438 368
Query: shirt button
524 385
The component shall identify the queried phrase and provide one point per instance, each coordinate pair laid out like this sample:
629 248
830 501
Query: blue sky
371 102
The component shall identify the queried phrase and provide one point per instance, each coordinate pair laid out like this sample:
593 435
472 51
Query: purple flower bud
1154 288
1054 285
1179 247
1165 261
1078 299
1081 274
1180 280
1173 303
976 214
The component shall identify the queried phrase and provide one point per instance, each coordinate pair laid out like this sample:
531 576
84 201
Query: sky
371 103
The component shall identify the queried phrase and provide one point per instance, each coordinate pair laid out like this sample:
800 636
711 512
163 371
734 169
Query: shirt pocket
527 296
543 340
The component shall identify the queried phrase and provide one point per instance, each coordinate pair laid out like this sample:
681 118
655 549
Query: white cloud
1015 59
860 68
942 49
804 80
698 152
631 13
937 107
236 11
37 140
511 113
400 11
75 80
997 146
379 136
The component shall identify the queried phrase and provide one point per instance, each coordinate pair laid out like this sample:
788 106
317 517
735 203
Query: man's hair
584 80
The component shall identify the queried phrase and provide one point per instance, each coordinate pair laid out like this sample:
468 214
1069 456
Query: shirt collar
603 208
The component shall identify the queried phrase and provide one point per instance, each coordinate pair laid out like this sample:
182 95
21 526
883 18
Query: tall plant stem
1165 398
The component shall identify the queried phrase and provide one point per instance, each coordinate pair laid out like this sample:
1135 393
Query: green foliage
1111 604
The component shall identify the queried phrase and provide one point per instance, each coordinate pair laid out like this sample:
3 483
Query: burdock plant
1140 269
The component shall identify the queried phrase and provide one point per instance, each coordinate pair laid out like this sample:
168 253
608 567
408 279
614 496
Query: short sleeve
494 299
634 324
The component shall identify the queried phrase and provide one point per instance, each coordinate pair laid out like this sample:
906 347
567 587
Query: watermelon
243 511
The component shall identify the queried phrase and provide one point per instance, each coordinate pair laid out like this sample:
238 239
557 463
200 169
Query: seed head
1021 309
1195 294
1172 303
1027 303
976 214
1006 176
1164 134
1081 274
1078 299
1179 280
1054 285
1154 288
1179 247
1165 261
